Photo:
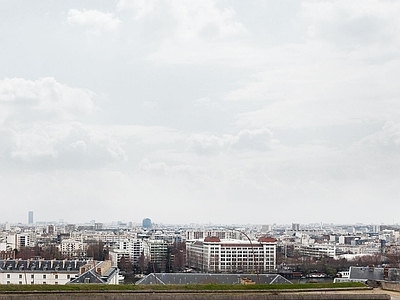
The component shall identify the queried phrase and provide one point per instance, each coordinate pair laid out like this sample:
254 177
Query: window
44 282
8 275
44 276
8 282
56 276
32 276
20 276
20 282
68 276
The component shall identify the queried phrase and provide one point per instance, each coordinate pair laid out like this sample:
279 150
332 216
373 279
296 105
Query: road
393 295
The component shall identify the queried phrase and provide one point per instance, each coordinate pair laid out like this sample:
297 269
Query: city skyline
255 112
147 224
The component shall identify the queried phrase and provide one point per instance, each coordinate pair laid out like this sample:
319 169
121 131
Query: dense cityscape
127 252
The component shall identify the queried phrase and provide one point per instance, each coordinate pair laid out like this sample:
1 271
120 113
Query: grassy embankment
187 287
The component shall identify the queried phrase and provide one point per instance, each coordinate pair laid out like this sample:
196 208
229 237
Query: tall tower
30 217
295 226
146 223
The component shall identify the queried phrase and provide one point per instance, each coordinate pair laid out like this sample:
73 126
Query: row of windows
44 276
32 282
240 251
244 259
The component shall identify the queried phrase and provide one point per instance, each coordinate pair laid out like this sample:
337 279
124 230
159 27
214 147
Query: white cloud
95 21
162 168
384 142
150 104
191 19
42 99
41 126
141 8
64 145
32 144
353 24
320 87
205 144
190 32
144 135
259 140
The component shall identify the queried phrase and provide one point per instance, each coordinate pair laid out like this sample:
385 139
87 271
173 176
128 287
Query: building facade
56 272
72 248
155 252
317 250
30 217
130 248
213 255
38 271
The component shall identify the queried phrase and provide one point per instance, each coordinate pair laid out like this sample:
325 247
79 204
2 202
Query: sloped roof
265 239
42 265
101 272
203 278
373 273
368 273
91 276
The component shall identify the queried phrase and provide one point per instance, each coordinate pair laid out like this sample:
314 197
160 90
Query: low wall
391 286
191 296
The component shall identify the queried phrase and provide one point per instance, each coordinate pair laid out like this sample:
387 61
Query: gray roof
202 278
91 276
17 265
373 273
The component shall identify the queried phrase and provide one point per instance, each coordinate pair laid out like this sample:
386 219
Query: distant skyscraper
295 226
376 228
266 228
146 223
30 217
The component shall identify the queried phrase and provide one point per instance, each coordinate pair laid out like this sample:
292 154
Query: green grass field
191 287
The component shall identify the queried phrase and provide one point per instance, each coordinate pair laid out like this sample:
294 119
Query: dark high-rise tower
30 217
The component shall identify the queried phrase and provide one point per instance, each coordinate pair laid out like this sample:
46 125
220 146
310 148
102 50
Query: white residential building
317 250
232 256
38 271
222 234
133 248
57 272
72 248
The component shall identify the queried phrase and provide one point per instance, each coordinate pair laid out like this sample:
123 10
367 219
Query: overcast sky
200 111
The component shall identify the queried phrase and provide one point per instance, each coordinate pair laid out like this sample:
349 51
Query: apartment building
222 234
20 240
317 250
156 252
131 248
57 272
214 255
38 271
72 248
